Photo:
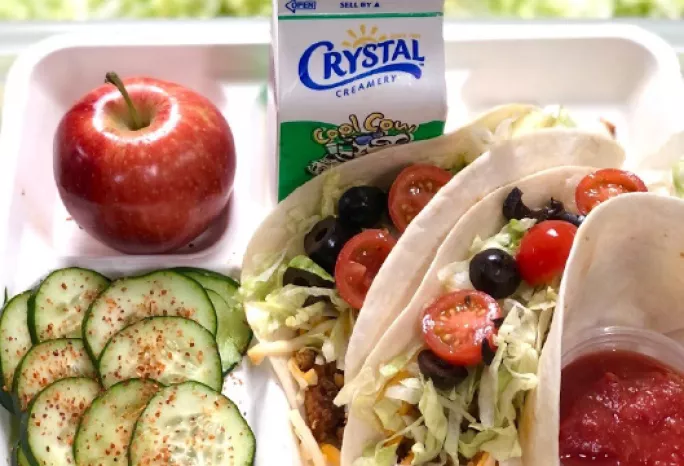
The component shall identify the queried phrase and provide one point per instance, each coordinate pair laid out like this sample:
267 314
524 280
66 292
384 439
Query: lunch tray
618 72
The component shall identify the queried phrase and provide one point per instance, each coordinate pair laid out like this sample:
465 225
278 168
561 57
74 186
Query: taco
454 380
642 260
308 270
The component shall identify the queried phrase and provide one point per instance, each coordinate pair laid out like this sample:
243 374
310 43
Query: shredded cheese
408 459
331 454
304 379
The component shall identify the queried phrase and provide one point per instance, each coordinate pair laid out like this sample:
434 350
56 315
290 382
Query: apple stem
113 78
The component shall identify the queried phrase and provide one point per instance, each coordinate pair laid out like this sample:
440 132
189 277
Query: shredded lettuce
451 442
549 117
432 411
455 276
283 309
519 343
257 287
552 116
332 191
387 411
335 347
275 309
436 423
381 451
501 442
507 239
511 373
313 338
398 363
305 263
409 390
379 456
368 384
678 178
298 223
272 266
528 122
458 165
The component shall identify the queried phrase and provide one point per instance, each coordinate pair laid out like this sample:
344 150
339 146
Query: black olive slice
495 272
487 353
514 207
569 217
444 376
498 322
362 206
301 277
325 241
311 300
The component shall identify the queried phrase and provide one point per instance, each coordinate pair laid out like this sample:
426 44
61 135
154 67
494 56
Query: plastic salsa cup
645 342
665 351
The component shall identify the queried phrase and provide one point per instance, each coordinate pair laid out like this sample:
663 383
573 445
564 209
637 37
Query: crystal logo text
366 62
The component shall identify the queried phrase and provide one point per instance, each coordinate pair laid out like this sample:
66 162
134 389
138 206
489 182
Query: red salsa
620 408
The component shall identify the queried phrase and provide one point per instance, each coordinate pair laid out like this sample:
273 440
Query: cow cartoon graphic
355 147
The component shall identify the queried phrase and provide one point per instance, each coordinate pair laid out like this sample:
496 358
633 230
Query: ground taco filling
456 397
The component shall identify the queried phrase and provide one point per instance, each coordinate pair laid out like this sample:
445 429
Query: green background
107 9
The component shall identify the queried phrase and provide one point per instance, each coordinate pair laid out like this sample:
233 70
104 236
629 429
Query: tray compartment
619 72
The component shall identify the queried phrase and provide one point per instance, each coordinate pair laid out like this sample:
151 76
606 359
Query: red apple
144 165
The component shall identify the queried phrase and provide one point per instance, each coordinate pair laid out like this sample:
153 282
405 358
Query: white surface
618 72
621 73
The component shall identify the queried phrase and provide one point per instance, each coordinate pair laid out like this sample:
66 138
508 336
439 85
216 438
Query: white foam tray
619 72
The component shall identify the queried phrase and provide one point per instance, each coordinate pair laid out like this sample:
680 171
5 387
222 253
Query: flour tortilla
634 243
409 260
486 219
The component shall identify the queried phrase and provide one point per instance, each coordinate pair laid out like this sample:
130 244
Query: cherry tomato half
414 187
544 250
601 185
456 325
359 262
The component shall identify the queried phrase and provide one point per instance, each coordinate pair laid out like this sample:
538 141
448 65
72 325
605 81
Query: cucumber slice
57 307
233 334
221 284
53 418
105 430
7 401
19 457
48 362
166 349
129 300
191 425
15 340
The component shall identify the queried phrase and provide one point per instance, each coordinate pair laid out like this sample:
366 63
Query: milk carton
353 77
